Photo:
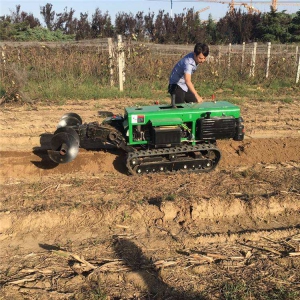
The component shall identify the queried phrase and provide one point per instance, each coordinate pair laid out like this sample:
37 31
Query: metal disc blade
72 115
68 121
69 130
64 148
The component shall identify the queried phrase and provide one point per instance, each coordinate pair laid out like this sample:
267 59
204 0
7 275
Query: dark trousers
180 95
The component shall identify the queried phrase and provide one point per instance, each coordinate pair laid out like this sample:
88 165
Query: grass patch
73 89
235 291
62 90
243 291
59 74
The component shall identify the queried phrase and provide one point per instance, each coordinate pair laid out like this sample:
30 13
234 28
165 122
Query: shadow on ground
134 258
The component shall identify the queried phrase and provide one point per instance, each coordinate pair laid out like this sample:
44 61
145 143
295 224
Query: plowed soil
88 230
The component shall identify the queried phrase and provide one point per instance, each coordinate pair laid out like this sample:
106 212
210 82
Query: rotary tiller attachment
64 145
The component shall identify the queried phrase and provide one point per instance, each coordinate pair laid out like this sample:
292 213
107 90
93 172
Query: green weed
281 293
170 197
236 291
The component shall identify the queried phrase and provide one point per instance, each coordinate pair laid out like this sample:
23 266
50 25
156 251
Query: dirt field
87 230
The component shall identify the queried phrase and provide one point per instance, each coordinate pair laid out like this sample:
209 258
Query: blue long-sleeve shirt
186 65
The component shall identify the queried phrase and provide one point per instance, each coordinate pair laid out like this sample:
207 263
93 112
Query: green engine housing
159 126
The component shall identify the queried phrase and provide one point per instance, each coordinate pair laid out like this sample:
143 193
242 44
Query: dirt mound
87 230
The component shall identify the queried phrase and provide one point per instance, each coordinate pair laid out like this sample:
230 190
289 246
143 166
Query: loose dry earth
87 230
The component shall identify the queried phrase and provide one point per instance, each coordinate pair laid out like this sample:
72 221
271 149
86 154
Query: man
181 87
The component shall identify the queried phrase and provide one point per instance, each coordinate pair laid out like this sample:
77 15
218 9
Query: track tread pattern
162 153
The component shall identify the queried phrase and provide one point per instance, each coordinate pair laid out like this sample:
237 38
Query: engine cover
216 128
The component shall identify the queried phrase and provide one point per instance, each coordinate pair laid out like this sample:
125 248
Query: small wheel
112 136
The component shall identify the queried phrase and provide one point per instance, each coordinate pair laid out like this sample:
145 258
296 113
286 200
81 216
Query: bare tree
48 15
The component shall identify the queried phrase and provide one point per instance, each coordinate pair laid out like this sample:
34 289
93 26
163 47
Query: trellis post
298 70
268 59
253 60
229 55
3 57
111 60
121 60
219 56
243 57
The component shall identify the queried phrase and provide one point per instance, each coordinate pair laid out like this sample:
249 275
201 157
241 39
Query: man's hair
201 48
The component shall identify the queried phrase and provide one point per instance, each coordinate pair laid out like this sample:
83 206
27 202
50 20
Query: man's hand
199 98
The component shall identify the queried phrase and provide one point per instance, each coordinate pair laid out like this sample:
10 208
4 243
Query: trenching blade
69 119
64 146
68 130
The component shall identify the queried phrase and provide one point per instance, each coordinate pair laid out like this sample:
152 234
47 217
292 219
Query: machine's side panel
142 120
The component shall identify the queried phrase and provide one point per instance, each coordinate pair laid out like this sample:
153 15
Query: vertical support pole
219 56
111 61
297 51
120 61
3 57
251 64
243 57
3 69
229 56
253 60
268 59
298 70
123 61
19 56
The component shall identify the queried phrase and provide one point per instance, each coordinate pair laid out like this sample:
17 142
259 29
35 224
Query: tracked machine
157 138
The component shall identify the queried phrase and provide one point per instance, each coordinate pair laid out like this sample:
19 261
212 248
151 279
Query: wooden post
3 57
298 71
229 55
123 62
120 62
297 50
219 56
253 60
111 60
268 59
243 57
3 69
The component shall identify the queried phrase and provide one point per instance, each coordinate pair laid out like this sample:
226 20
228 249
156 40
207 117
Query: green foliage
183 28
274 27
211 31
235 291
170 197
294 28
42 35
23 32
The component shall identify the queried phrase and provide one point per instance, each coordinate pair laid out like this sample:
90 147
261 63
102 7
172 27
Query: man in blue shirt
181 87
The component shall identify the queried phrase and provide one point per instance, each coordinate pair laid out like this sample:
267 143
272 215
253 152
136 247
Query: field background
84 70
87 230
